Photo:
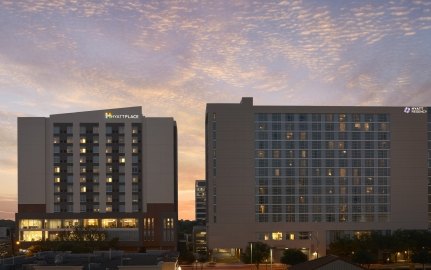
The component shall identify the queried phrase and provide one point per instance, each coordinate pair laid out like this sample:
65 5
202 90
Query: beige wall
158 149
31 160
235 180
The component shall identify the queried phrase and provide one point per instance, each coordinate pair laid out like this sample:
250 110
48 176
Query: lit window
81 159
83 189
82 179
303 136
108 159
56 139
91 222
57 169
290 236
108 198
109 179
109 223
108 208
122 160
31 236
289 135
277 236
135 149
82 140
56 179
128 223
30 224
82 150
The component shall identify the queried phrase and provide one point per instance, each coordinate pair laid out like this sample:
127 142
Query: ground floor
155 229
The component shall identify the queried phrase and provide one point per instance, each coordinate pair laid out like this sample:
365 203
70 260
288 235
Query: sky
173 57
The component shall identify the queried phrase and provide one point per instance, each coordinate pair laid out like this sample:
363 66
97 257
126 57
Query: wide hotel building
303 176
111 169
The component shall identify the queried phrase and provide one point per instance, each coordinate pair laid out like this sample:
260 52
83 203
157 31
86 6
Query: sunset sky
173 57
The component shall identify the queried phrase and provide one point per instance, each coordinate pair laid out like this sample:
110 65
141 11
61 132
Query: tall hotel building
111 169
302 176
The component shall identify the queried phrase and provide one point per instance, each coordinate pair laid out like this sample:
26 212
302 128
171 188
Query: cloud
174 57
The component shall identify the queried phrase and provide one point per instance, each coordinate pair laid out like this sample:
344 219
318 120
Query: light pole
251 254
270 256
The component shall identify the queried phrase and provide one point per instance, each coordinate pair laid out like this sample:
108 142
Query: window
277 236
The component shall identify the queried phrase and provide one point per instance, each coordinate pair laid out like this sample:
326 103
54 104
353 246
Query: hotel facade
111 169
303 176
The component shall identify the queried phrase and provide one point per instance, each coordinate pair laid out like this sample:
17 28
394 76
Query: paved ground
223 266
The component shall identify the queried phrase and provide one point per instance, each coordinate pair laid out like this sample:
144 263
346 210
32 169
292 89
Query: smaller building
4 234
200 239
200 201
329 262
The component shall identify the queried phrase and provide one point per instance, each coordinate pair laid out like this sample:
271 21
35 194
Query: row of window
318 181
327 117
32 224
370 217
342 172
94 129
94 179
318 208
335 127
302 235
95 208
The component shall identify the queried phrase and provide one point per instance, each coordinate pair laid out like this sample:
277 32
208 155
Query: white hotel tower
113 169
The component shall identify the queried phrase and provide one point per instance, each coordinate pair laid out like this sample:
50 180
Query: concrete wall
31 160
235 180
159 160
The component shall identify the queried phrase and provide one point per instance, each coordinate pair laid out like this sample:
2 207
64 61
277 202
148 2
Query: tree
293 256
421 256
256 253
363 257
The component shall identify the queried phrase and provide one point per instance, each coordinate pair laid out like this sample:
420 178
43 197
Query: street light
270 255
251 254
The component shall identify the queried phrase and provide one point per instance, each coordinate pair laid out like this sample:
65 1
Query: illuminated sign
109 115
415 110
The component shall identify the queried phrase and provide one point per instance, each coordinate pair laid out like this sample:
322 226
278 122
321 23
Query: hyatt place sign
109 115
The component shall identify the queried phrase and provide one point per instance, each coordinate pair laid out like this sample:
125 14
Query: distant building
329 262
5 234
303 176
200 201
112 169
200 239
